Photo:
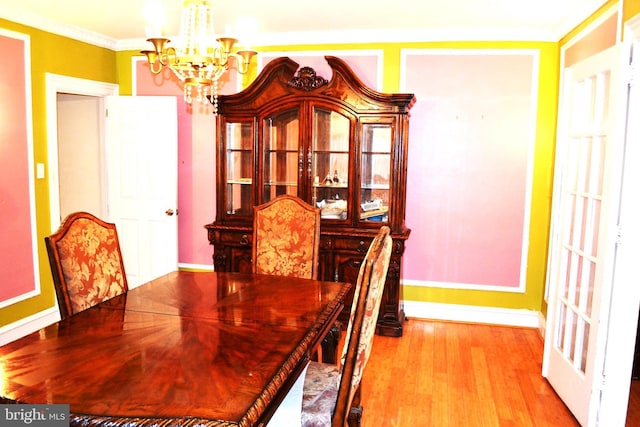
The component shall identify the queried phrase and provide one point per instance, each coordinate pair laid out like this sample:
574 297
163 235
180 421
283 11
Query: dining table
190 348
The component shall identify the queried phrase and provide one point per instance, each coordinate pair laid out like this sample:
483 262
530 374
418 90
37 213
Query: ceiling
120 22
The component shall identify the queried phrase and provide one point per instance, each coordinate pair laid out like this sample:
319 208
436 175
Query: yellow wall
55 54
630 8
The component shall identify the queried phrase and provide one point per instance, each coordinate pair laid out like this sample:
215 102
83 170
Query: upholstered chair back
86 262
286 238
331 395
361 329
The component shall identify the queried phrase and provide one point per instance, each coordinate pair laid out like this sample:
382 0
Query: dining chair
331 394
286 238
86 262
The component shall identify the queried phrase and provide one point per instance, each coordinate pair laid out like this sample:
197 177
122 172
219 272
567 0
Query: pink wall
17 242
364 66
467 179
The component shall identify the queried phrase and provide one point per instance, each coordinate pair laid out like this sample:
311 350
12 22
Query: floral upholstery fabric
372 308
91 264
371 254
286 238
322 382
320 394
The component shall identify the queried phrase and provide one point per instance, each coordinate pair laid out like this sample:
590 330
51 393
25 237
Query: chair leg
330 345
355 411
355 416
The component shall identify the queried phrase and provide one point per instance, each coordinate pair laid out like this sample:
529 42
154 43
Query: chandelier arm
169 56
220 57
156 66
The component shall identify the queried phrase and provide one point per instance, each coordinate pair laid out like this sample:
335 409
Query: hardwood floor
633 411
453 374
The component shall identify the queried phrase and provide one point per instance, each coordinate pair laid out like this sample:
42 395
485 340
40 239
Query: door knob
169 212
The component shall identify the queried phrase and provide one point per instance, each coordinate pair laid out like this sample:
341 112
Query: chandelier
202 57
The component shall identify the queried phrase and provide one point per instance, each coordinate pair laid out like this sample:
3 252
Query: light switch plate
39 170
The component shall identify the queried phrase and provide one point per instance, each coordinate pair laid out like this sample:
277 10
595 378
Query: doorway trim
55 84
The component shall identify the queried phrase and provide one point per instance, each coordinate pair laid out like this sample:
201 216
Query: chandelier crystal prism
201 57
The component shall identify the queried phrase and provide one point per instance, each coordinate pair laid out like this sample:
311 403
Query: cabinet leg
391 327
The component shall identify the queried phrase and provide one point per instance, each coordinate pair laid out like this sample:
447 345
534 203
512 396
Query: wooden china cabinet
336 144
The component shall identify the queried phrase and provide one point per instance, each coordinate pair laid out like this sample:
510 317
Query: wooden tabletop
189 348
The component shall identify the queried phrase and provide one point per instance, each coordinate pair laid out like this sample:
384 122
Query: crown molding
51 26
133 44
382 36
406 36
330 37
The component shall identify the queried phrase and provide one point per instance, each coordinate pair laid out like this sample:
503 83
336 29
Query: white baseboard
28 325
472 314
542 325
203 267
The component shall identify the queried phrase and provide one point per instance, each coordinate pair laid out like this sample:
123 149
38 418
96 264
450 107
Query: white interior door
585 237
141 149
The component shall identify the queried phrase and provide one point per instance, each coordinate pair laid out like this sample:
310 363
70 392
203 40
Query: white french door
584 236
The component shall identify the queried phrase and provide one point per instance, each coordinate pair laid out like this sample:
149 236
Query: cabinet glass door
239 168
330 153
375 172
283 160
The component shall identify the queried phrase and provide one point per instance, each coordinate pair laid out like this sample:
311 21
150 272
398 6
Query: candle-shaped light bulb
154 17
247 28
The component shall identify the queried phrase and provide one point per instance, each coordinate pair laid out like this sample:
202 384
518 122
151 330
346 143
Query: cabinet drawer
357 244
234 238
